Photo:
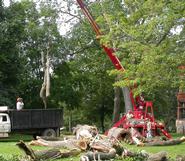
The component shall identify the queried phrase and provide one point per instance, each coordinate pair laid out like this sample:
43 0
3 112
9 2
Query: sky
6 3
65 22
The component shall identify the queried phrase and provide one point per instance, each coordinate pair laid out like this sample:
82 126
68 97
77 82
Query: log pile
97 147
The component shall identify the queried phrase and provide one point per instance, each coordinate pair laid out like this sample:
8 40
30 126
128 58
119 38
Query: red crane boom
109 51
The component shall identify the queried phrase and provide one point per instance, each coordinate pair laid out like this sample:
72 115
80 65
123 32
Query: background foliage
148 37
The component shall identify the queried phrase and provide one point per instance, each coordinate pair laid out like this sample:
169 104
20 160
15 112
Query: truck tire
49 133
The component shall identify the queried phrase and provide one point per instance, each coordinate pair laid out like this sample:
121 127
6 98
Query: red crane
142 116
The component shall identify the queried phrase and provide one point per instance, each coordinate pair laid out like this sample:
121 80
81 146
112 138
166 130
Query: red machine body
142 112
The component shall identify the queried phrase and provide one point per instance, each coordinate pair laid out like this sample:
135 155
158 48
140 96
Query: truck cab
5 125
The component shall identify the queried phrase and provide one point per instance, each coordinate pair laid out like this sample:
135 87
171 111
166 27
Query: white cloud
6 2
65 21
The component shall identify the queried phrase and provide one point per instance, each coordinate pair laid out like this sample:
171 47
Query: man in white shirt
20 104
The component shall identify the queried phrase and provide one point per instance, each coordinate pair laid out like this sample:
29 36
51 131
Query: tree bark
127 100
102 116
166 143
28 151
119 134
70 120
101 145
160 156
116 112
99 155
180 157
45 89
50 138
69 144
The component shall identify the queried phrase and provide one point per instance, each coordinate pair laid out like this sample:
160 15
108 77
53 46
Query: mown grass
8 148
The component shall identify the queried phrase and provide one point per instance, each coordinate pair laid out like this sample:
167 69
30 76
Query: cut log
50 138
56 153
128 153
69 144
180 158
90 156
161 156
101 145
85 131
28 151
166 143
46 154
119 134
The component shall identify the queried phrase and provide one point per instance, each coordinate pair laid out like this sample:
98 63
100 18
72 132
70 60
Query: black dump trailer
42 122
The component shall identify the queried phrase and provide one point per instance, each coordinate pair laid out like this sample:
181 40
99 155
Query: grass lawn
8 147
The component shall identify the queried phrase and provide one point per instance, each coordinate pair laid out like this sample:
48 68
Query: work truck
42 122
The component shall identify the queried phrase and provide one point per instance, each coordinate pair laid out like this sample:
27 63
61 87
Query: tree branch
71 14
164 35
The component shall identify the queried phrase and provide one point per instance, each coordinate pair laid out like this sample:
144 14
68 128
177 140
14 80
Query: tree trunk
70 121
45 89
116 112
102 117
127 100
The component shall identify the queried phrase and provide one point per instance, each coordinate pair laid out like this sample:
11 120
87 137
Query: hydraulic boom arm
109 51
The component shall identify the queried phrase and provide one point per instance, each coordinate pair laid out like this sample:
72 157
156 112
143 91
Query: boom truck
135 118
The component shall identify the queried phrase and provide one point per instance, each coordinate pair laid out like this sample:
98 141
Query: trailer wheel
49 133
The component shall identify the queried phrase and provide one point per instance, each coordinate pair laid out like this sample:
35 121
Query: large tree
42 42
148 36
11 30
